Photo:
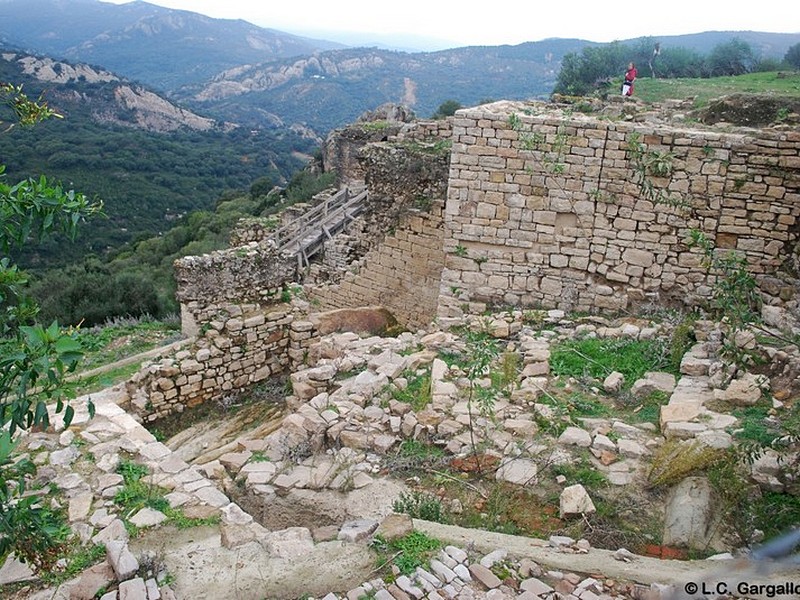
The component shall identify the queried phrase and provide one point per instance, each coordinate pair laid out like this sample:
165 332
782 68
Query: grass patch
645 410
77 559
408 552
704 90
756 425
410 448
597 358
123 338
95 383
135 495
418 391
583 472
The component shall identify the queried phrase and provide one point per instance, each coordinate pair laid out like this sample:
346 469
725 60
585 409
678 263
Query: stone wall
401 274
237 346
397 244
573 212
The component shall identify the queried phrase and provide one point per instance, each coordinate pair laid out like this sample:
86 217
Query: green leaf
40 415
65 345
69 414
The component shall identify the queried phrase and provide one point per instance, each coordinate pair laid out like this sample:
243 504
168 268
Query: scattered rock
14 571
575 436
121 560
395 526
488 579
575 500
355 531
614 382
518 470
653 382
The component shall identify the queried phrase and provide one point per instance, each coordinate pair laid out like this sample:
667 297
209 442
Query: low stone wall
237 346
256 272
573 212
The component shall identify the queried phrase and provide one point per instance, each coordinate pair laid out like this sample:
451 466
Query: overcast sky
465 23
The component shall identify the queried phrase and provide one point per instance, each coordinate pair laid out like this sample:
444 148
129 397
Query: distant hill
161 47
236 71
148 159
330 89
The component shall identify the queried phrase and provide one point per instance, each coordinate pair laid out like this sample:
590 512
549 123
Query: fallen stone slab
92 580
394 526
14 571
519 471
121 560
133 589
148 517
575 436
535 586
488 579
653 381
355 531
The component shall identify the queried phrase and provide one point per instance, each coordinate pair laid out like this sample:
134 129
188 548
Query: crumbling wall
401 274
393 257
237 346
573 212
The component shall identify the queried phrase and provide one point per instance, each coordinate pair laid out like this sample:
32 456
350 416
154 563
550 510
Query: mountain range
166 110
231 70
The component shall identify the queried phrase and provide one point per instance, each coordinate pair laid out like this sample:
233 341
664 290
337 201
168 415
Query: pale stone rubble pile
345 420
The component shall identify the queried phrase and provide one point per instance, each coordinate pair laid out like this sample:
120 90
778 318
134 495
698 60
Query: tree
33 359
793 56
447 109
731 58
593 68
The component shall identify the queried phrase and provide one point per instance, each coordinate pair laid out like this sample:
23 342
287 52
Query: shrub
676 460
419 505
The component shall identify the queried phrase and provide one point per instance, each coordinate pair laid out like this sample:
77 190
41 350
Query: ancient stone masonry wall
401 274
237 346
397 244
254 272
233 305
572 212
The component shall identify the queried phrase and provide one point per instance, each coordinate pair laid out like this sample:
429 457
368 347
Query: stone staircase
306 235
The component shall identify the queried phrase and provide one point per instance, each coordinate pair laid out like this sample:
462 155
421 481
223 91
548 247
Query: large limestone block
575 500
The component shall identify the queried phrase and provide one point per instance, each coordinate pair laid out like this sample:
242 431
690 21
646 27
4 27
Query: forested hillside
147 179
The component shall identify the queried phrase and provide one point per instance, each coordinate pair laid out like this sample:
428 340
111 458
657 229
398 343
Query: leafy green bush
28 526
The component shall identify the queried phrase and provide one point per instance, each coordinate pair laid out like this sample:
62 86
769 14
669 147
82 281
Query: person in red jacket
630 77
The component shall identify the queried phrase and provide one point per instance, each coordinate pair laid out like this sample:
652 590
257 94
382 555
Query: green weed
408 552
419 505
418 391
